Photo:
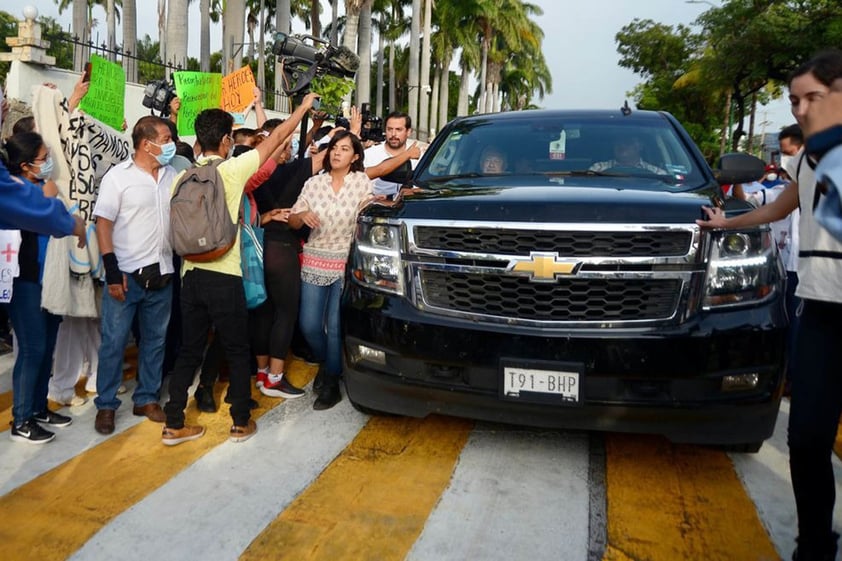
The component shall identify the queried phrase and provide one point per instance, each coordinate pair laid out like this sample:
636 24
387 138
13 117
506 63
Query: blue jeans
36 331
319 319
153 310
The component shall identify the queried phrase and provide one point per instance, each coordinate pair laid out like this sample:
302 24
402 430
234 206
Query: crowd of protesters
183 315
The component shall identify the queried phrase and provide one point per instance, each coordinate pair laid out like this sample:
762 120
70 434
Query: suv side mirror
738 168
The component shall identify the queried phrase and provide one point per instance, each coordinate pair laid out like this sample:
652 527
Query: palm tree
84 22
423 125
392 25
414 49
364 51
111 30
233 31
130 39
162 30
80 26
177 33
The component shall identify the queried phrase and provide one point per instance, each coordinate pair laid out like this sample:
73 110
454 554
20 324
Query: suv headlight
744 268
377 257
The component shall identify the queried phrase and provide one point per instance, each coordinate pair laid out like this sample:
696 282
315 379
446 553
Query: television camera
302 62
372 126
158 95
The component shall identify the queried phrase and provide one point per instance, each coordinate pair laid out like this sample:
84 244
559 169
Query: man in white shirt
133 230
398 128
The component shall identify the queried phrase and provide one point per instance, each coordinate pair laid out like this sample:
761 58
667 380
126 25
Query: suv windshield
557 147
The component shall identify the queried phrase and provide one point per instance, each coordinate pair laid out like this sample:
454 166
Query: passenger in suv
627 155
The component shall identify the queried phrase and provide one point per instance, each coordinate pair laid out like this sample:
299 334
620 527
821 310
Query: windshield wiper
444 178
669 179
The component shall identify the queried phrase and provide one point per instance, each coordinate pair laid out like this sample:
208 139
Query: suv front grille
566 243
567 300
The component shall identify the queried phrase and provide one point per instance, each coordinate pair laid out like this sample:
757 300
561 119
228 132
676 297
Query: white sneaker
74 401
120 391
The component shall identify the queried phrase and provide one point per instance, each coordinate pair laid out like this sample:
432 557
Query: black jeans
813 420
274 321
211 298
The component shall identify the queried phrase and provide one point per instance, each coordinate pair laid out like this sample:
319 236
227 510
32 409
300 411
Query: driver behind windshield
492 160
627 155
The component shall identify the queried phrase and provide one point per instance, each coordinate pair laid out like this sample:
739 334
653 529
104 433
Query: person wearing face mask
35 329
816 399
771 178
133 230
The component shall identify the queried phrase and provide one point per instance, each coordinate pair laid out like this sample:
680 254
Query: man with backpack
212 285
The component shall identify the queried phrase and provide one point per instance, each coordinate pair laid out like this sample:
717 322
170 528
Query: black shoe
328 396
281 388
31 433
809 552
204 400
51 418
319 380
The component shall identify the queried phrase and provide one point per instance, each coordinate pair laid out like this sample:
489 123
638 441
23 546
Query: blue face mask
295 146
167 153
45 170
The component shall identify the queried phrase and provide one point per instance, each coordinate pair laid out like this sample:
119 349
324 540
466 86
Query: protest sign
9 248
106 95
238 90
197 91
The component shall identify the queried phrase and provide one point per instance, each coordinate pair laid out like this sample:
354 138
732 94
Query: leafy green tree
668 59
751 43
744 51
8 28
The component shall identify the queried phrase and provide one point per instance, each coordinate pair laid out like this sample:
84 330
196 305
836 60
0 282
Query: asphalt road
341 485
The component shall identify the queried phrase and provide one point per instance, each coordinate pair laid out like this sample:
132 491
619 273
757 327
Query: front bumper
665 381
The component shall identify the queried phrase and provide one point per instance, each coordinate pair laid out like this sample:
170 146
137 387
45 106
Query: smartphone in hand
87 76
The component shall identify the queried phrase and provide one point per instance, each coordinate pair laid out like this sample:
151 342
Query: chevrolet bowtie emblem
543 267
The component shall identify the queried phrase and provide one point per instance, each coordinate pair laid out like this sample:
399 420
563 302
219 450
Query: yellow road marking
373 500
67 505
695 506
5 410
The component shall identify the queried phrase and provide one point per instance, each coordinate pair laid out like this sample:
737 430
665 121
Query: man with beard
398 128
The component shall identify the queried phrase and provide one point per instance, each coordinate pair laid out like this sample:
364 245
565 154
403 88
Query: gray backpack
200 224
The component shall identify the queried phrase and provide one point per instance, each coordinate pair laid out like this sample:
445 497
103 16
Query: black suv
545 268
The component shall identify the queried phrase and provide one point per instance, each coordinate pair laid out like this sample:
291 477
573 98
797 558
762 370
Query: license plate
537 384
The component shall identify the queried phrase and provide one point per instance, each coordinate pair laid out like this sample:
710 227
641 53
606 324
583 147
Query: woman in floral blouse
329 204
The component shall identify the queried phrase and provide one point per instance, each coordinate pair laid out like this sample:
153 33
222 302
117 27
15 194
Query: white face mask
786 160
771 177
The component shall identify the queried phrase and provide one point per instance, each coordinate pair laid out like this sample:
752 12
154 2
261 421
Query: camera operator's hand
356 121
309 99
175 105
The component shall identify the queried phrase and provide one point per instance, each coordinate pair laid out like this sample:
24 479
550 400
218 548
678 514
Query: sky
578 46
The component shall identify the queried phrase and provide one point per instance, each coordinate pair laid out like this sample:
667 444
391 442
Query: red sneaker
261 379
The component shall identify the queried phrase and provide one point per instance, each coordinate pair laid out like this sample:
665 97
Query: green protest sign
106 95
197 91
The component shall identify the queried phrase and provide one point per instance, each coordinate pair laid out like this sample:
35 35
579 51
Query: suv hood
559 203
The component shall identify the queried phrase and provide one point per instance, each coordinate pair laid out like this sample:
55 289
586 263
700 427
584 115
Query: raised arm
282 131
391 164
79 91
